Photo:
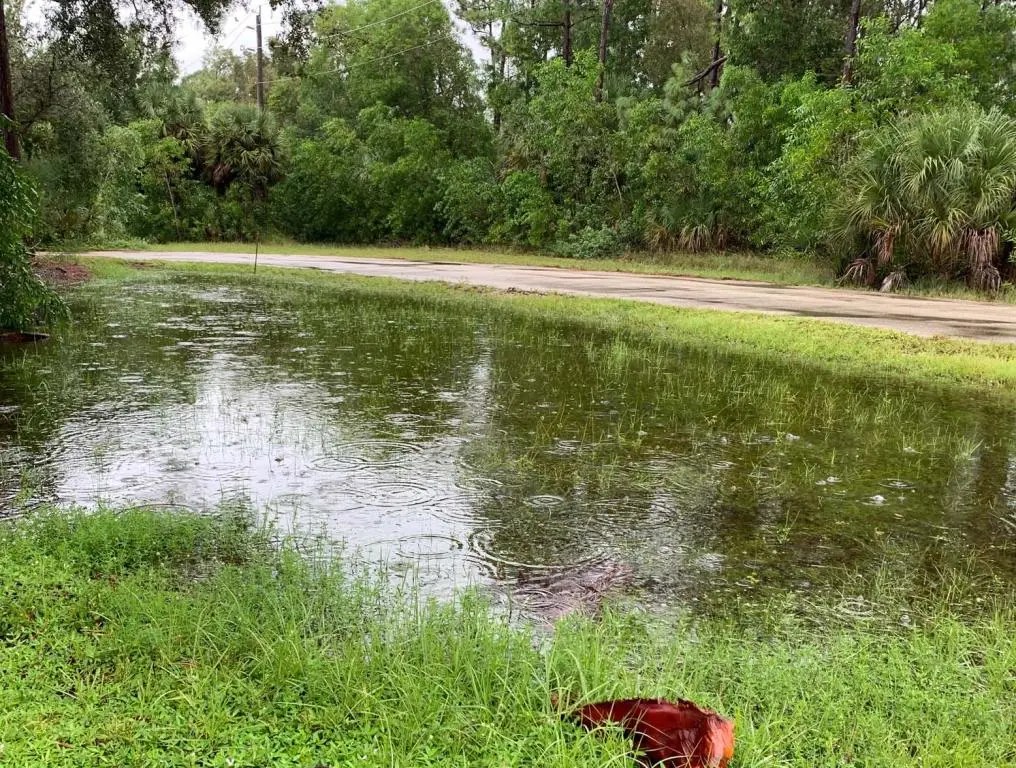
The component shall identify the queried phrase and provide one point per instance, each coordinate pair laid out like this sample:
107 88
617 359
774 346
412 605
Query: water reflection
488 448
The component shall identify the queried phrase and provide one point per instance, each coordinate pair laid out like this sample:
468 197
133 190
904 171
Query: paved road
983 321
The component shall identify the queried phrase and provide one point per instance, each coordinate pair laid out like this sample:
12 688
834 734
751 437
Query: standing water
486 448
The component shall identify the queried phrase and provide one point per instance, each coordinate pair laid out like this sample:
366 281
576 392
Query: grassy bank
720 265
139 638
843 349
784 269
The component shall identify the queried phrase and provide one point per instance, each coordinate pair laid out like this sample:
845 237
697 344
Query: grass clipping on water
143 638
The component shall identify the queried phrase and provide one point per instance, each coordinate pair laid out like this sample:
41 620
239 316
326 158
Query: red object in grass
672 734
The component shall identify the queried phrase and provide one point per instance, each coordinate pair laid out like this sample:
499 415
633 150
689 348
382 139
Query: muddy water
468 447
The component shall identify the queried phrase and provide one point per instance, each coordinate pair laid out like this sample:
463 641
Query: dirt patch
582 589
60 272
21 337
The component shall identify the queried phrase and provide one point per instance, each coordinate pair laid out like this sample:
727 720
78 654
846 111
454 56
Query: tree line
878 134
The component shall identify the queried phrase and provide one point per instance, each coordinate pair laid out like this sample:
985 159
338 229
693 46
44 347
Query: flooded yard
471 448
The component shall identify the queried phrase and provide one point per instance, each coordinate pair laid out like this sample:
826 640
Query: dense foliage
24 298
937 194
882 139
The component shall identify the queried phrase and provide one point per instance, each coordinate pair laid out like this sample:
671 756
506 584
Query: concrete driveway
981 321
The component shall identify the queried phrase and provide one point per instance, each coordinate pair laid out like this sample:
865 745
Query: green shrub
529 216
24 299
591 243
324 195
935 195
470 200
404 159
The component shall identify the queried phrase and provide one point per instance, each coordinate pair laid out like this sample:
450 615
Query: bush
24 299
529 215
591 243
324 195
175 204
803 183
470 200
962 52
935 195
404 160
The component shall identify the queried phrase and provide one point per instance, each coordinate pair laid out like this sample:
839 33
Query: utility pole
7 91
261 68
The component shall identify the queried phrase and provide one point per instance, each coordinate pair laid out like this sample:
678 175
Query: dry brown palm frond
694 238
659 238
720 238
982 246
860 271
885 244
986 278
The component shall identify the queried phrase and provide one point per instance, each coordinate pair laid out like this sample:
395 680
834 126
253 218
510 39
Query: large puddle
482 448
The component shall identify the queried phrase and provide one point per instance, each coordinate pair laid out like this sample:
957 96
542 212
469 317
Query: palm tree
241 146
936 194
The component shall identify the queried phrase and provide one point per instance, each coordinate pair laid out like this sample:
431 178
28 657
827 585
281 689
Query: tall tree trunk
714 77
7 91
608 7
850 41
566 44
497 63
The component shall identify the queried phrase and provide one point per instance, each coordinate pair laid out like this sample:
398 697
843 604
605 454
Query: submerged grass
143 638
841 349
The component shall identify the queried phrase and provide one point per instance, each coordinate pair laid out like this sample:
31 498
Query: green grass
721 265
843 349
140 638
946 289
781 269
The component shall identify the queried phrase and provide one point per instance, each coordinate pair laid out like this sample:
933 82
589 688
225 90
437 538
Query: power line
236 32
379 21
405 50
368 61
233 35
376 59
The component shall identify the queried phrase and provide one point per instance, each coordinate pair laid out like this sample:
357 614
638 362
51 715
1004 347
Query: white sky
193 42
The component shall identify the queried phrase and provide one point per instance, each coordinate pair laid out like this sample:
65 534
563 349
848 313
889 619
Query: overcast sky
193 42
